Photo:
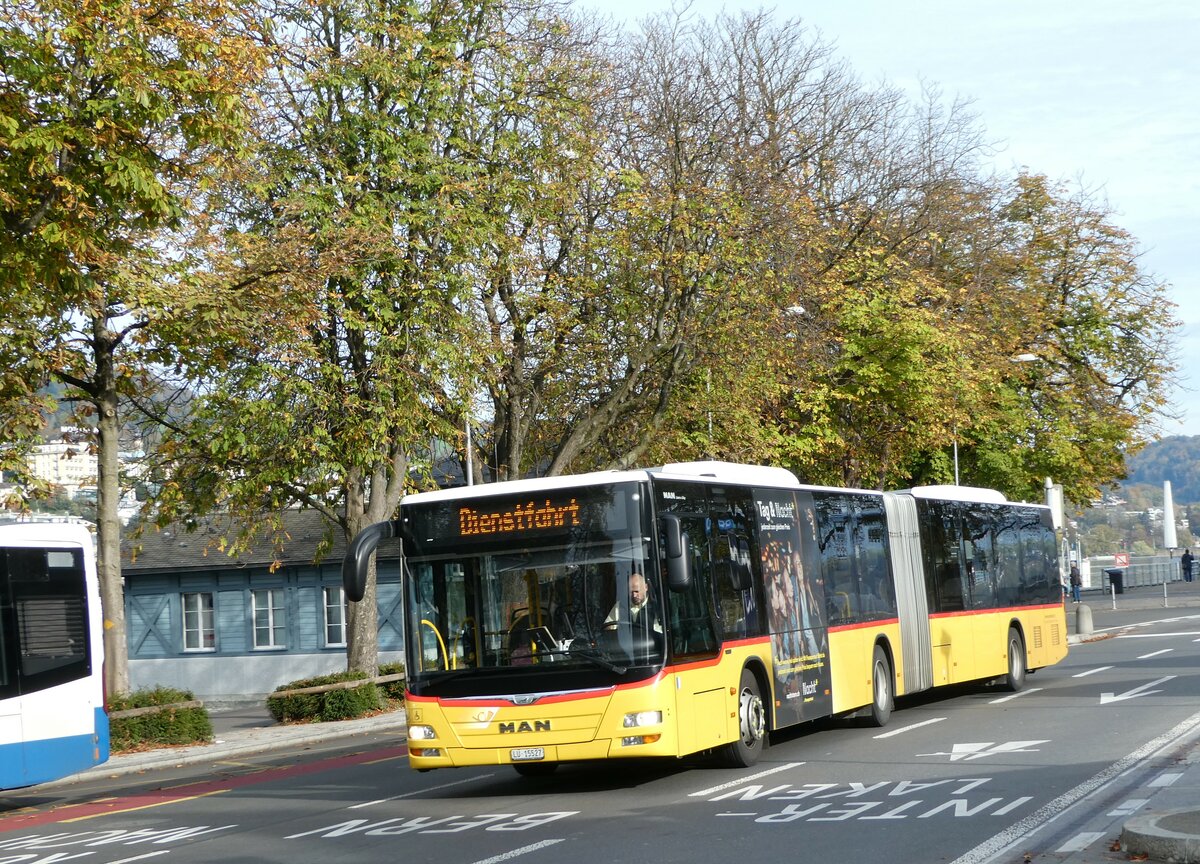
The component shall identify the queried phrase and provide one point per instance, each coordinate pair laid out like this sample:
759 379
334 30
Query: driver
640 611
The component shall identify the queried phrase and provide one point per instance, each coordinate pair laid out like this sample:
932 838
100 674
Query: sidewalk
241 732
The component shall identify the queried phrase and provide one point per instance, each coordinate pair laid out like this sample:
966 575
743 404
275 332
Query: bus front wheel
1014 679
881 688
752 725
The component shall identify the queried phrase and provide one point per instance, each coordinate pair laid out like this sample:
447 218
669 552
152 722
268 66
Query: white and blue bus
52 717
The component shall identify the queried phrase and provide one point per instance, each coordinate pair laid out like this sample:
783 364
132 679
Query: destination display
536 517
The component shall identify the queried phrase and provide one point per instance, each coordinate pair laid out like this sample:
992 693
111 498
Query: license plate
527 754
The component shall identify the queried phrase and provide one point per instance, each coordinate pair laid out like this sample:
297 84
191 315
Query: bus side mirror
358 558
679 554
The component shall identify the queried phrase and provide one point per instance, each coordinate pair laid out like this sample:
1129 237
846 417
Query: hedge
341 704
169 726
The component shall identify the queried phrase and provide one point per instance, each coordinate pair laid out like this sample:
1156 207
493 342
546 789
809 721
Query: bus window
980 555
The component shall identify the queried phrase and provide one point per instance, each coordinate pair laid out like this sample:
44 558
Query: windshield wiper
597 660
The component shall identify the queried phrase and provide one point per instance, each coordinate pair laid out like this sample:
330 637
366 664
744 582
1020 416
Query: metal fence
1142 571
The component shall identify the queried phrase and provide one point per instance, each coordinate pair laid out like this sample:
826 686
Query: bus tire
535 769
752 725
882 698
1014 679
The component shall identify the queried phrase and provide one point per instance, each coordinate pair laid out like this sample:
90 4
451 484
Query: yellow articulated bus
699 606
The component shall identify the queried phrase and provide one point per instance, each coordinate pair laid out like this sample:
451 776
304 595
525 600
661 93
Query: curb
242 743
1173 835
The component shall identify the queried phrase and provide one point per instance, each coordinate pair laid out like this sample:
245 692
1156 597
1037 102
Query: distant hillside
1177 459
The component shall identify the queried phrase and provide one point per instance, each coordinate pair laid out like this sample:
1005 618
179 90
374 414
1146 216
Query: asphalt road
970 774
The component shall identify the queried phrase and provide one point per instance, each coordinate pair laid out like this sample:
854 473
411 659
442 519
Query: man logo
525 726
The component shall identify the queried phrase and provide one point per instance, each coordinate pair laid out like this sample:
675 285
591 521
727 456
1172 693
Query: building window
267 611
199 633
335 618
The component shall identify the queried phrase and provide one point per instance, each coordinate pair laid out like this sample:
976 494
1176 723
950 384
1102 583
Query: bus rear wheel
752 725
882 700
1014 679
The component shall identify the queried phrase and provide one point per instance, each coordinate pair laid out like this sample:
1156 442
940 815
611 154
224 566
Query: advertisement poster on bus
795 605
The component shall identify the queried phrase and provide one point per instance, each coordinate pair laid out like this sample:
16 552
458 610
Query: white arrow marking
1144 690
970 752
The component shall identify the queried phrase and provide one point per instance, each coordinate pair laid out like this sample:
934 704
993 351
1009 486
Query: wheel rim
882 691
752 717
1015 666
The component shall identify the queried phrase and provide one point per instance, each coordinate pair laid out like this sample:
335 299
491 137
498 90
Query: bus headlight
643 718
421 733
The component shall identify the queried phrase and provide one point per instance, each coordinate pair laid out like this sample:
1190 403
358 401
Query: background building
234 629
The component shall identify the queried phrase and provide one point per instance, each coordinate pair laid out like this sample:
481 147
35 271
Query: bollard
1083 620
1164 594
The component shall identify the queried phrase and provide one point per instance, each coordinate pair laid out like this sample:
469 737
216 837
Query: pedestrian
1076 581
1187 561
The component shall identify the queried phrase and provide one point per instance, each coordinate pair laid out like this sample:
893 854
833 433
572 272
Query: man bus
776 604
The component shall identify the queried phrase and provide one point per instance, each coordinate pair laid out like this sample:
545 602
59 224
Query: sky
1100 94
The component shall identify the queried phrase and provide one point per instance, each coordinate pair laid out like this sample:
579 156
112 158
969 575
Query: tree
375 197
110 114
1091 332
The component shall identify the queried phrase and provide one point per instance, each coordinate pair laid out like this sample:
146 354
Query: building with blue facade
233 629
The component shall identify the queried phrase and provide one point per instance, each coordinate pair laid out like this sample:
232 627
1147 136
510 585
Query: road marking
1020 833
507 856
904 729
1163 780
1156 635
1129 807
1012 696
1091 672
1080 841
970 752
387 759
179 800
787 766
418 792
1156 653
1106 698
141 857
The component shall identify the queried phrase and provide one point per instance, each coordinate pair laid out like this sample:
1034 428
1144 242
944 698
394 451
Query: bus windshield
533 584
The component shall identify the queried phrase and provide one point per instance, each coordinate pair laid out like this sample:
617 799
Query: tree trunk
108 543
362 625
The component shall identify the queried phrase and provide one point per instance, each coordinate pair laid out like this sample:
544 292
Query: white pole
1169 539
470 456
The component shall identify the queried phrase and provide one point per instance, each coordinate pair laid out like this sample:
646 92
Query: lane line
178 800
1156 635
1080 841
1012 696
1156 653
508 856
141 857
419 792
787 766
909 728
1092 671
1021 832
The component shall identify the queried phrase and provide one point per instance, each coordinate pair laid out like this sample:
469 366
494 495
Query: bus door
692 644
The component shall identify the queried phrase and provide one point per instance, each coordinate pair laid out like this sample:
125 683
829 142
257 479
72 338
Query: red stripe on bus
864 625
